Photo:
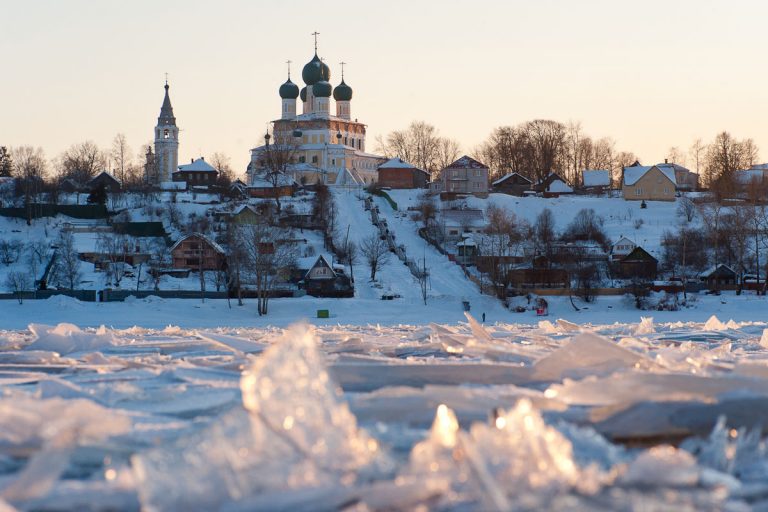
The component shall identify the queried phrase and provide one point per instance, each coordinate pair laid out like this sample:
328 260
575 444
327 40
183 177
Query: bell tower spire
166 141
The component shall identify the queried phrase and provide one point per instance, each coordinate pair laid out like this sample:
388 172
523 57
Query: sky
650 75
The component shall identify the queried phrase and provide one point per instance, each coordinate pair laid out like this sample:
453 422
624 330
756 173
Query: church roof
166 111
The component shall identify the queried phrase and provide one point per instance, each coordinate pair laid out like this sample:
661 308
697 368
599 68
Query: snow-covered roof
466 162
469 217
559 186
199 165
596 177
634 173
623 241
397 163
711 270
509 175
213 244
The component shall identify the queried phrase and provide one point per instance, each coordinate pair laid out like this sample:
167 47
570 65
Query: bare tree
270 254
29 166
500 240
274 161
544 233
686 209
159 258
19 283
82 161
420 144
375 252
68 260
698 151
676 155
113 248
10 250
121 157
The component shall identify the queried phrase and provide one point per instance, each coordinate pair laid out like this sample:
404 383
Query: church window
333 162
314 159
166 134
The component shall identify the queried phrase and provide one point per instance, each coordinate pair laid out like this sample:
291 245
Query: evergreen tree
6 163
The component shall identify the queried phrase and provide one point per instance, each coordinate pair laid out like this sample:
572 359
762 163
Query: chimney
666 161
191 160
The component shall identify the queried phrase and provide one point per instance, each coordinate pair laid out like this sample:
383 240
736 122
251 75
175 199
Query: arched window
166 133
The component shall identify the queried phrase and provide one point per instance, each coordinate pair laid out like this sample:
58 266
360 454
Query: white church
322 147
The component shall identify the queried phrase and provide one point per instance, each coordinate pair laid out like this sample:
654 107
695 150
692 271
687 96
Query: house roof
596 177
397 163
624 241
718 269
199 165
210 242
321 260
510 175
471 217
634 173
559 186
639 254
105 174
467 162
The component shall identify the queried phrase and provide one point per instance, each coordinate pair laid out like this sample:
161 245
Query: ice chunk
764 339
662 466
645 326
524 453
477 329
296 432
547 327
567 326
289 389
714 324
58 426
586 354
66 338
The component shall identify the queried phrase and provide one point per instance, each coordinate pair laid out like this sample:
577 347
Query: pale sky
650 74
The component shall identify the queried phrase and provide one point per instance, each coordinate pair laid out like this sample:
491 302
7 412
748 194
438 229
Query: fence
82 295
82 211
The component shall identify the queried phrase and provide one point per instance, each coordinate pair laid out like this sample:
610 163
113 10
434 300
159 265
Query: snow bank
645 326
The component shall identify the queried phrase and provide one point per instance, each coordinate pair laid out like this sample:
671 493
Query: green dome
303 94
342 92
315 71
322 89
289 90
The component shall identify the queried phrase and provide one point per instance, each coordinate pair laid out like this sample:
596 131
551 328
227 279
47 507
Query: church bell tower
166 141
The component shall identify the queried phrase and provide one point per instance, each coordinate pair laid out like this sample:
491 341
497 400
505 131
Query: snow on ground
553 416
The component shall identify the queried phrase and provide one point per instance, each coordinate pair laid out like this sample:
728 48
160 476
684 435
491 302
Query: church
316 146
160 165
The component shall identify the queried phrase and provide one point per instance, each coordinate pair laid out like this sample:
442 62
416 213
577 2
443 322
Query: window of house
302 159
453 232
638 191
666 190
333 162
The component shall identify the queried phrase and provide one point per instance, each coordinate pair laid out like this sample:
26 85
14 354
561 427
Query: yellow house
649 183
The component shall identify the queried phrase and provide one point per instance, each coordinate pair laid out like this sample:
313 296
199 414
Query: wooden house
514 184
110 183
325 280
638 264
595 181
198 173
719 276
622 248
553 186
397 173
196 252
